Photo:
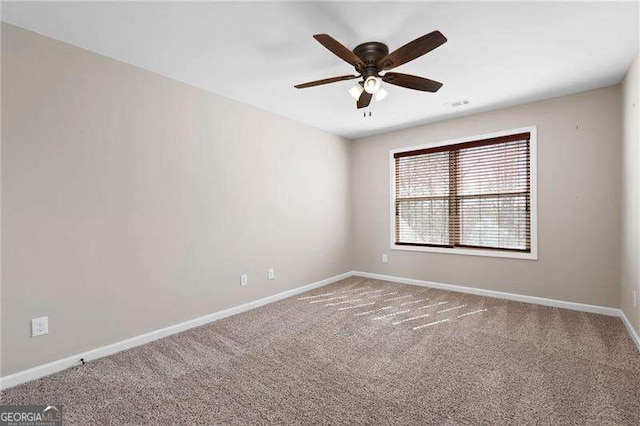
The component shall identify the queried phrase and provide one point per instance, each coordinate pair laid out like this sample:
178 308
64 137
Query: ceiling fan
372 60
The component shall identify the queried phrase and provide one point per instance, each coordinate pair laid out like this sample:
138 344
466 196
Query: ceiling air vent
458 103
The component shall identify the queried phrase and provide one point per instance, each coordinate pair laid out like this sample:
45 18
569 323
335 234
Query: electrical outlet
271 274
244 280
39 326
635 299
385 258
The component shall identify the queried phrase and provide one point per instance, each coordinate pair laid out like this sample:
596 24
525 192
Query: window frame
490 252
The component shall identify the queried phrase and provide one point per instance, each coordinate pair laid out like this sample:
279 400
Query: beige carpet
365 351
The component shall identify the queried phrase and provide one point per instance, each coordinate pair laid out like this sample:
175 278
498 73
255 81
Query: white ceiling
498 54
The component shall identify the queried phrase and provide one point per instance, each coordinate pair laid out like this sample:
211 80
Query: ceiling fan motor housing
371 53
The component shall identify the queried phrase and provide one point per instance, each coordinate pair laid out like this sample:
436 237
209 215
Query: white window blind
472 195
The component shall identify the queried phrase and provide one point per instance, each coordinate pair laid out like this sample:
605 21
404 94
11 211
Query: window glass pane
498 222
423 175
493 169
423 221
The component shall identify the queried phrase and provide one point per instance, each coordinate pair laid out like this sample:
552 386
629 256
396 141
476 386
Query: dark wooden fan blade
412 82
325 81
412 50
364 100
339 50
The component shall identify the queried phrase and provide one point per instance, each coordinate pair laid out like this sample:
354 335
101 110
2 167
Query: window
470 196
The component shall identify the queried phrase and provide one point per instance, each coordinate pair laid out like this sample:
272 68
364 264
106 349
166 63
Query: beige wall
578 202
132 202
631 193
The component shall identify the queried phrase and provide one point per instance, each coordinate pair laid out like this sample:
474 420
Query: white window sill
470 252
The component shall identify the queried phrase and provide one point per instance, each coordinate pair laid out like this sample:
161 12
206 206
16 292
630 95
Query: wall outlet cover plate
39 326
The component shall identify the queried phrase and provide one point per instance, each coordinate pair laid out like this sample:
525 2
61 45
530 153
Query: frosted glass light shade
356 91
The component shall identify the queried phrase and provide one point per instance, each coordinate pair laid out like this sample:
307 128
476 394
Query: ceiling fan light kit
356 91
372 84
381 94
372 58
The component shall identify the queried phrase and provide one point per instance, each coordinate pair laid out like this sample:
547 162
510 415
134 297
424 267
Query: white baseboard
62 364
614 312
497 294
632 331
